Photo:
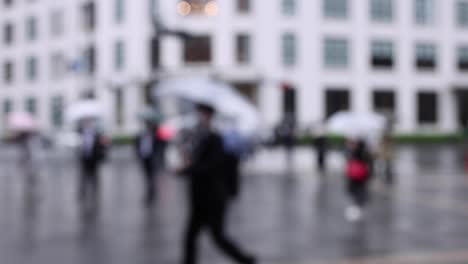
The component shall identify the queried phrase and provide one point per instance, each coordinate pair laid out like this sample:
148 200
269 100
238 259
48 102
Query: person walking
146 148
91 153
357 175
321 147
386 156
208 195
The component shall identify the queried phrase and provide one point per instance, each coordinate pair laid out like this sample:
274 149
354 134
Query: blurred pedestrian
208 191
146 148
357 176
386 157
92 153
321 147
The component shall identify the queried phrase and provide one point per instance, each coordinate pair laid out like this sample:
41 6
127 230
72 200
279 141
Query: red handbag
357 170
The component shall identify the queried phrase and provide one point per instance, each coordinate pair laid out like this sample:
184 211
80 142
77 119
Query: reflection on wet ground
286 216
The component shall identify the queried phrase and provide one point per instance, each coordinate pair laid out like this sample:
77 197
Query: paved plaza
287 214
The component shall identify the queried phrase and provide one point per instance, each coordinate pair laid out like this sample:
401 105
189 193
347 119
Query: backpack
357 170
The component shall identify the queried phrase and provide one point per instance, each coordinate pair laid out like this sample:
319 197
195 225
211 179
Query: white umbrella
226 101
22 122
84 109
355 124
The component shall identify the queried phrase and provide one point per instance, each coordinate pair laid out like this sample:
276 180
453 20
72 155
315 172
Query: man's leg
150 188
221 240
194 226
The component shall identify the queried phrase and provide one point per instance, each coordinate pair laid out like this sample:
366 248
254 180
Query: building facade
298 58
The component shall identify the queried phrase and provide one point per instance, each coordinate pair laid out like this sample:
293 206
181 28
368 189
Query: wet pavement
286 214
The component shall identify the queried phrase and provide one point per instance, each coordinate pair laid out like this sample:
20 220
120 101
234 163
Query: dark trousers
321 160
89 182
148 167
233 178
214 222
358 192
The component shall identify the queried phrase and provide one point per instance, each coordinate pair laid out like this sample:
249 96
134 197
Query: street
286 214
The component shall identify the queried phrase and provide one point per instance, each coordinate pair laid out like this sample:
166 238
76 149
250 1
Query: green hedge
401 139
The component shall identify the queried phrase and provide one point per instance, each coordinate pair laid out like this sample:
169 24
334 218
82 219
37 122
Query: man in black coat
91 153
208 191
146 148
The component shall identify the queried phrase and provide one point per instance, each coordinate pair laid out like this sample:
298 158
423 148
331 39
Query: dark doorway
462 107
336 100
384 101
289 103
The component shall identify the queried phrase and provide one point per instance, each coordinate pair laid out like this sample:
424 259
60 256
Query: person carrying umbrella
208 195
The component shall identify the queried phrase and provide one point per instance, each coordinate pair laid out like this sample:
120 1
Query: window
384 101
381 10
427 107
426 56
463 58
336 53
155 53
119 11
31 106
8 72
119 107
119 55
197 49
56 111
243 48
7 106
289 49
336 100
8 34
31 29
288 7
424 12
31 68
462 13
243 6
58 65
56 23
335 8
89 57
382 54
88 14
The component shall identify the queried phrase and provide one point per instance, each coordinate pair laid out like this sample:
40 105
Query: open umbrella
83 110
22 122
355 124
227 102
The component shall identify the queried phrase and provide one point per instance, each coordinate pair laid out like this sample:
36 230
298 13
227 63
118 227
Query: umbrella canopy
227 102
151 115
22 122
83 110
354 124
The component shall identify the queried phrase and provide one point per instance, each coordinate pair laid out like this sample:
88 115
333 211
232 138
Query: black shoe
250 260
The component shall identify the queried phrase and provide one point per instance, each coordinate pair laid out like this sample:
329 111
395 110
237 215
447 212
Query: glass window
335 8
58 65
119 55
243 48
88 16
7 106
89 59
381 10
243 6
31 106
288 7
289 49
462 13
119 11
8 72
384 101
31 68
56 23
197 49
427 107
337 99
463 58
336 52
424 12
56 111
382 54
426 56
31 28
8 33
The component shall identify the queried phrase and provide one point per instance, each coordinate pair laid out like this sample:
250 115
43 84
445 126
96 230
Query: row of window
427 103
57 22
31 105
60 65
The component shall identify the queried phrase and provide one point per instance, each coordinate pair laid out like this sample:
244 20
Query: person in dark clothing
146 148
358 175
321 145
92 153
208 191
